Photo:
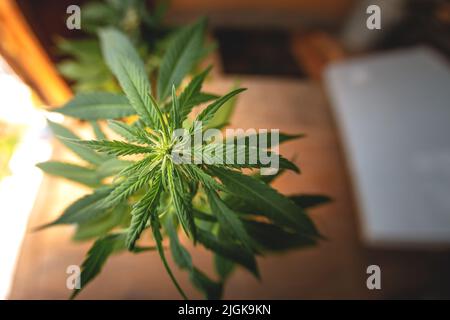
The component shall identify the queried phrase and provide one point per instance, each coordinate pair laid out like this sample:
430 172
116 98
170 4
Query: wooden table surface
336 269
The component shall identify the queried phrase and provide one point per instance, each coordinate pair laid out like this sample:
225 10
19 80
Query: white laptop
393 114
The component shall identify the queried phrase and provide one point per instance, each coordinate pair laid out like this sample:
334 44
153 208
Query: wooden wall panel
24 53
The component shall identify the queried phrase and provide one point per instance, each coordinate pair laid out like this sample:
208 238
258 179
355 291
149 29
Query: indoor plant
82 63
236 215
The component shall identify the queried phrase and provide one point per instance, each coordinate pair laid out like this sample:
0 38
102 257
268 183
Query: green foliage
129 69
98 132
72 172
229 250
83 64
181 201
130 133
310 200
67 137
84 209
142 210
228 220
208 113
189 95
223 116
103 223
111 167
98 254
282 137
234 215
270 203
96 106
183 53
211 288
156 226
116 148
223 266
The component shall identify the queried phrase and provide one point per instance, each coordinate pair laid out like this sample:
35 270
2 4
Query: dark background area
266 49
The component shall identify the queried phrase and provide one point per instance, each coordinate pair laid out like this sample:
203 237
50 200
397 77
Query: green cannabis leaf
235 215
182 54
83 63
99 253
95 106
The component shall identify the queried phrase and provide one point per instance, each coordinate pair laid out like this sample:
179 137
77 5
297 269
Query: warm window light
18 190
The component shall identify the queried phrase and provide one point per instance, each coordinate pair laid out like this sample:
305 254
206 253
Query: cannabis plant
83 64
140 187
